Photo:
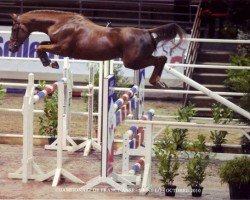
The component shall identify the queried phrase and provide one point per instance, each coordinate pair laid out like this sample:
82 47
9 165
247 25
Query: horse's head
19 33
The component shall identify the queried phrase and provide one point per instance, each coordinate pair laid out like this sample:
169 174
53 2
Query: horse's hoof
160 85
45 62
54 65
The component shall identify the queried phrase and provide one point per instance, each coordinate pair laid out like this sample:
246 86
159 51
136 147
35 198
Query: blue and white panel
141 86
109 120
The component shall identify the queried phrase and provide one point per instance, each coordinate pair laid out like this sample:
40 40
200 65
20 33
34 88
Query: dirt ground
86 168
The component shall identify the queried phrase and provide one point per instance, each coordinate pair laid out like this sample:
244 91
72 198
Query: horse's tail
168 32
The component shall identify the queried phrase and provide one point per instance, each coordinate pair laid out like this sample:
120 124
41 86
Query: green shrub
239 80
1 93
49 120
221 115
184 114
196 166
236 171
166 154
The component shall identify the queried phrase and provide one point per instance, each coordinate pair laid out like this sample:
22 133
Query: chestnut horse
73 35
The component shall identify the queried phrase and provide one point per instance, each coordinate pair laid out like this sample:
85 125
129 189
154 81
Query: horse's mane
53 12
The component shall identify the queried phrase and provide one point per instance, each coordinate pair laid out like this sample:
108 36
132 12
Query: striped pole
47 90
148 116
139 165
125 97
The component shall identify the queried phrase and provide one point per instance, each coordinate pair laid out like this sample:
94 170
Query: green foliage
168 165
239 80
198 145
180 138
48 121
221 115
243 49
236 171
1 93
196 166
41 85
184 114
218 137
120 80
229 31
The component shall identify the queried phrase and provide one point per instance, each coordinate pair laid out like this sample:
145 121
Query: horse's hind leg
157 72
157 62
41 52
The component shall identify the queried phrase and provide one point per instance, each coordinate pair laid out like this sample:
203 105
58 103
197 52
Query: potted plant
49 121
196 166
239 80
236 173
218 138
179 136
221 115
245 144
168 165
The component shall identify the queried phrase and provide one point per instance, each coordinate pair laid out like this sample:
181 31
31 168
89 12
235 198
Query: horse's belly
94 47
95 54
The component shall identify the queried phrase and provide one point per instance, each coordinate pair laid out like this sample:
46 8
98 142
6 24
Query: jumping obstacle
29 169
148 125
13 91
89 143
67 142
136 142
138 166
208 92
113 114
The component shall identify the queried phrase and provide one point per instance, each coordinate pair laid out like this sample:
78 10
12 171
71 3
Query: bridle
15 32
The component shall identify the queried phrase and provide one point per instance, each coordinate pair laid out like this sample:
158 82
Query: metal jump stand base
33 171
87 146
57 173
69 144
111 180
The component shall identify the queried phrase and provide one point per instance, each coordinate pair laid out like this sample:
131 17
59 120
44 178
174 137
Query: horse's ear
14 16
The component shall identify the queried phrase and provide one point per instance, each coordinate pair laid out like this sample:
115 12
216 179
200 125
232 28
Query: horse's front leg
41 52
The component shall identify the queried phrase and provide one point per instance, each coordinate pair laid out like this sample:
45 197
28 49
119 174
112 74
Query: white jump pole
208 92
67 142
60 171
89 143
28 167
100 101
